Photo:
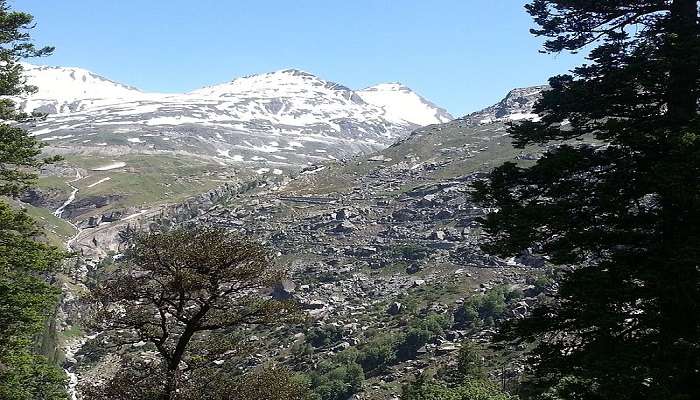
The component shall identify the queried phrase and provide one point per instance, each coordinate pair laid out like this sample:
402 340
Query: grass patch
58 231
145 180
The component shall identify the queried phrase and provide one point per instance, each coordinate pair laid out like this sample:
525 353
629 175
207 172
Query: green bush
471 389
325 335
486 309
339 378
262 383
343 376
541 283
378 354
428 391
420 333
469 361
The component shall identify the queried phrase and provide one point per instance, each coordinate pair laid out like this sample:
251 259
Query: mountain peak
516 105
388 87
295 72
287 71
402 104
285 98
74 83
280 83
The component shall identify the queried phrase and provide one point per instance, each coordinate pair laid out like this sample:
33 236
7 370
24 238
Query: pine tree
26 263
616 197
19 152
184 292
26 301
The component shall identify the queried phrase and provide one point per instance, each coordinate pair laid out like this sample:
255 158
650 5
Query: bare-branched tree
178 290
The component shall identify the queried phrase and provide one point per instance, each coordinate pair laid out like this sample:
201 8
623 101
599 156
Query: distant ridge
288 118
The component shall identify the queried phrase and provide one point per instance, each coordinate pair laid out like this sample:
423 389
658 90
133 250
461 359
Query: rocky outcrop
89 204
44 198
518 104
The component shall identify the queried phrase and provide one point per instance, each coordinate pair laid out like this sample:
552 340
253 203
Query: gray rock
403 215
444 214
344 227
437 235
413 268
283 290
394 308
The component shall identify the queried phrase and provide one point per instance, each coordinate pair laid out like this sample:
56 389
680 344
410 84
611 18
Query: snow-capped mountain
288 117
402 105
518 104
61 89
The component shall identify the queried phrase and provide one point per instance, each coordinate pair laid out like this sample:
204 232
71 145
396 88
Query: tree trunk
682 96
170 384
678 282
170 388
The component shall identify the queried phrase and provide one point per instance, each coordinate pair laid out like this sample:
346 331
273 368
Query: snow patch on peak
286 117
68 89
517 105
403 105
75 83
288 97
283 80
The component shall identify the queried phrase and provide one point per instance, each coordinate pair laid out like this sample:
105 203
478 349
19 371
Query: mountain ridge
49 85
287 117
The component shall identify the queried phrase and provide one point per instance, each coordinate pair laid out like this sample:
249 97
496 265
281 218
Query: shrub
339 378
420 333
325 335
486 309
471 389
541 283
469 361
378 354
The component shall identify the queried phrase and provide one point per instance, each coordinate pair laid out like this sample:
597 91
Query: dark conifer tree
26 261
620 205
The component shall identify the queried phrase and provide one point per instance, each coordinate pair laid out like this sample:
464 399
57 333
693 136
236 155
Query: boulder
283 290
445 349
437 235
394 308
418 282
443 214
413 268
344 227
428 200
403 215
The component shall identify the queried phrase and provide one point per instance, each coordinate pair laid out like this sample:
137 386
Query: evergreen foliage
27 298
26 301
19 152
621 206
468 381
469 361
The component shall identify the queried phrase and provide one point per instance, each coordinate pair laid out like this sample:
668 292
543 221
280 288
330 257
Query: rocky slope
371 244
129 152
517 105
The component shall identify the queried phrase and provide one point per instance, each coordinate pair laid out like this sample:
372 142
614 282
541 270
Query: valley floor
372 245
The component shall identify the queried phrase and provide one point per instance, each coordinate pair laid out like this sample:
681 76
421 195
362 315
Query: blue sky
461 54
